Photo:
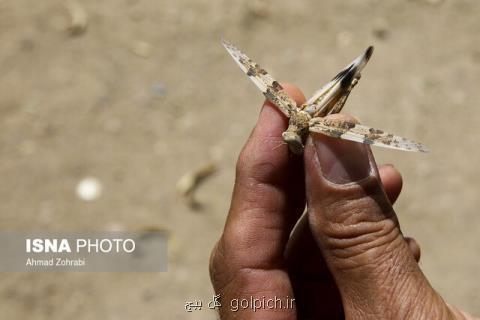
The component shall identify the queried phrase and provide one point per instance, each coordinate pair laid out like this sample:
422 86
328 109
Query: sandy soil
147 93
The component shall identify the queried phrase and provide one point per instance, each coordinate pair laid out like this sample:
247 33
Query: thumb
358 233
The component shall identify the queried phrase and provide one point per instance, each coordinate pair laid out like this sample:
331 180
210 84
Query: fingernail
342 161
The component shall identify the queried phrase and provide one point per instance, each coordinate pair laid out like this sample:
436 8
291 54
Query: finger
391 180
354 225
315 289
414 248
458 314
301 240
268 195
316 294
267 200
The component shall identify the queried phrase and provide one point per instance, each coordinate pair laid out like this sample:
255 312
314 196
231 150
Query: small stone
258 9
188 184
381 29
89 189
78 18
381 33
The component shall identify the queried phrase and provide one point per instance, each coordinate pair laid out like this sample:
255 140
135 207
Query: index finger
268 195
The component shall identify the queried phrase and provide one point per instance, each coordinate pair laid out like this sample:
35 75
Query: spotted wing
271 89
363 134
332 96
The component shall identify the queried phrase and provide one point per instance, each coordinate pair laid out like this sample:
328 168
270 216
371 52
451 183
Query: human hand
347 258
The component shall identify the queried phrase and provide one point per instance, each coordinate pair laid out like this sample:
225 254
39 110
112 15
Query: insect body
297 131
330 99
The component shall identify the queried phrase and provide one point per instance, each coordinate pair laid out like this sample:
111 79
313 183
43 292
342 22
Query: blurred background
106 105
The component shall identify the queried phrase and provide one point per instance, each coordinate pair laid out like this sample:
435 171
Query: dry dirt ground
147 93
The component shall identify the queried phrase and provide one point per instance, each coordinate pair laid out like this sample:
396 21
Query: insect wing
270 88
332 96
359 133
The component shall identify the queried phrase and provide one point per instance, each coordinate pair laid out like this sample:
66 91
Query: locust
329 99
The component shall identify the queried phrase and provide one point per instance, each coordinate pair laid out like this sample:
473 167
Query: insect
330 99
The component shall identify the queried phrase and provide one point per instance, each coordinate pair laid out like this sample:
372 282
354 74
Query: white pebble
89 189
